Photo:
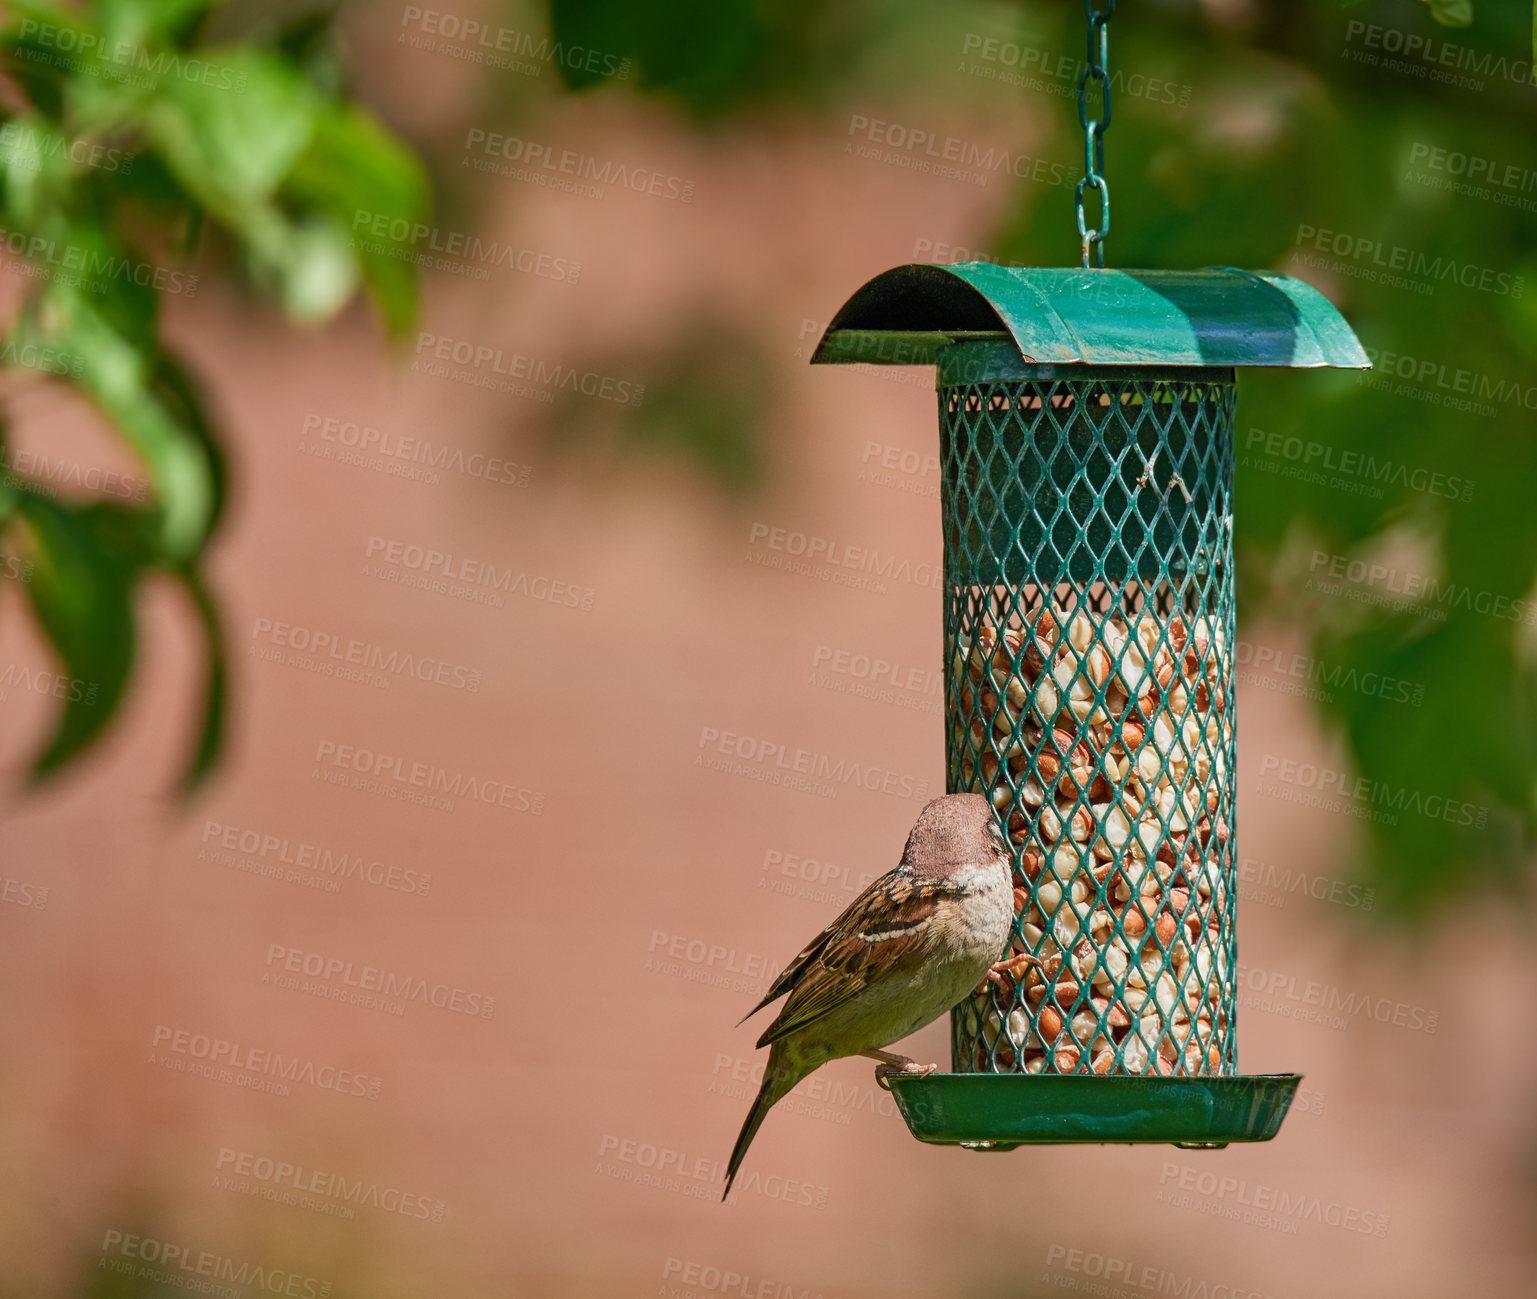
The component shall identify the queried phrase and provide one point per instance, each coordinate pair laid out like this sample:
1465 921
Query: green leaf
233 135
151 20
709 55
117 376
210 738
250 137
81 587
309 41
39 177
607 25
10 495
179 392
115 281
1452 13
309 264
378 192
33 62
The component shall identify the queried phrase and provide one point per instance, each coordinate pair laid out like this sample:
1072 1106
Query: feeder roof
1217 316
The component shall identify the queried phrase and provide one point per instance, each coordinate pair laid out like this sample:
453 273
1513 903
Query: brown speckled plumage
906 950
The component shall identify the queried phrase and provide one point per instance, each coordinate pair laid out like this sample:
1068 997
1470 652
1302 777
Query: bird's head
955 830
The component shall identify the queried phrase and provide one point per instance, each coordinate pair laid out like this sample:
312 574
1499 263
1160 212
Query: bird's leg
1012 968
896 1066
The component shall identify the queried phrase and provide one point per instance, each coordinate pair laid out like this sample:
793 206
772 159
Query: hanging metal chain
1094 132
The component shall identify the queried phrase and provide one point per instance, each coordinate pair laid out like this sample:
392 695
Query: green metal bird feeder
1086 443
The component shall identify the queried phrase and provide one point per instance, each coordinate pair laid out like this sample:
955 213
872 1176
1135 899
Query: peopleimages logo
126 62
49 473
91 268
432 246
312 864
807 877
627 1159
1475 168
1280 992
334 652
1323 463
1096 1273
776 763
1022 60
919 149
477 41
284 1182
25 148
41 681
1443 61
705 1279
389 984
854 565
1289 672
401 777
1239 1194
33 356
864 676
1261 881
1399 266
1332 786
329 437
1429 374
200 1270
210 1056
428 562
1407 587
513 155
435 352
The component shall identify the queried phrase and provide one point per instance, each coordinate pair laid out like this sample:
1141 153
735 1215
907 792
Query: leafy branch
126 141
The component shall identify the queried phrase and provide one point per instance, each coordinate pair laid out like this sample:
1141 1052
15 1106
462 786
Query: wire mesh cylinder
1089 692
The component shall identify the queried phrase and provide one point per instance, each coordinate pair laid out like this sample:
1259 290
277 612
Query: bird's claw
884 1073
1012 968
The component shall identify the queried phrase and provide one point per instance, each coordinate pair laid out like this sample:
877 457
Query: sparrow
908 948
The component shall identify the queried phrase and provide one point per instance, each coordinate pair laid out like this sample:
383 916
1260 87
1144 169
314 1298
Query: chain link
1095 69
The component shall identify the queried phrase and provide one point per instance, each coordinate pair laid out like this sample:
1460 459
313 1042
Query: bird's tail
778 1078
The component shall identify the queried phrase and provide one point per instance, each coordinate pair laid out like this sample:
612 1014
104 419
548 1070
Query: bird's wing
852 915
794 970
886 931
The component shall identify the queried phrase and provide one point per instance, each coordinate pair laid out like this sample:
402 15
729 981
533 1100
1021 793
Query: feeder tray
1086 430
990 1111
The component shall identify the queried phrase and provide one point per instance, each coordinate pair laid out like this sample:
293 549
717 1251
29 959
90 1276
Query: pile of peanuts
1102 740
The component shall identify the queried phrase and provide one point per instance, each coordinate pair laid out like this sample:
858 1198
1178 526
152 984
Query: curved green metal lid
1218 316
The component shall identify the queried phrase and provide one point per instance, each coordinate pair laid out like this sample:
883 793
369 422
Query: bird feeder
1086 436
